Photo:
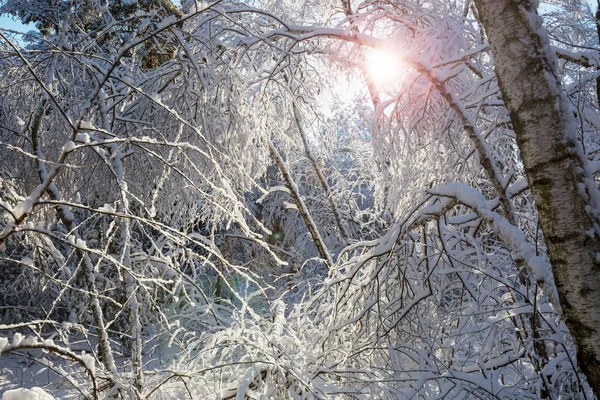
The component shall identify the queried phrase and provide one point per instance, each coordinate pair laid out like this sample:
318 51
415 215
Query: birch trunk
324 185
565 194
302 209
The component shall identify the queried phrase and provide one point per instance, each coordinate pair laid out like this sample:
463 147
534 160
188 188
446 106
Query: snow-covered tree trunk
301 206
598 32
565 194
324 185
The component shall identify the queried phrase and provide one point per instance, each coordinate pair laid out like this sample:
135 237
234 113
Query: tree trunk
324 185
597 20
565 194
302 209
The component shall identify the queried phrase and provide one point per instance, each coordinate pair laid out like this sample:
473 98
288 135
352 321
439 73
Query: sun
384 67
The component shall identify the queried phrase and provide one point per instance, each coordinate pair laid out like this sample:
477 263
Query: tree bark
324 185
302 209
597 20
565 194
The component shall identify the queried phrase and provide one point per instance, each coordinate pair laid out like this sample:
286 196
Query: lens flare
384 67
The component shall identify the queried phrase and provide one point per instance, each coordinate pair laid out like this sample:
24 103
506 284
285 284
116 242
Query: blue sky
9 23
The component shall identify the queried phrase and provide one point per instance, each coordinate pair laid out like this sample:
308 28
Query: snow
155 97
148 139
24 207
34 393
68 147
246 381
89 361
377 266
3 343
290 206
273 189
17 339
170 20
592 117
540 268
107 208
87 125
82 137
27 261
510 234
517 187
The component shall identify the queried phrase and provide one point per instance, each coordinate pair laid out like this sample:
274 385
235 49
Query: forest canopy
277 199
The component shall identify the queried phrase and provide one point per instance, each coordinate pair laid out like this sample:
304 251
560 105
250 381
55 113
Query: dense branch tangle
164 183
409 297
102 124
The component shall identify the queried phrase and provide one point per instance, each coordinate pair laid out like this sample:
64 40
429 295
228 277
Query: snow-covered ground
34 393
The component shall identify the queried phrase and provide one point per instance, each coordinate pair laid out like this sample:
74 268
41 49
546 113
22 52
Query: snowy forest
300 199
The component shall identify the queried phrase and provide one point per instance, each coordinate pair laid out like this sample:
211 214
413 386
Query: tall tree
566 197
